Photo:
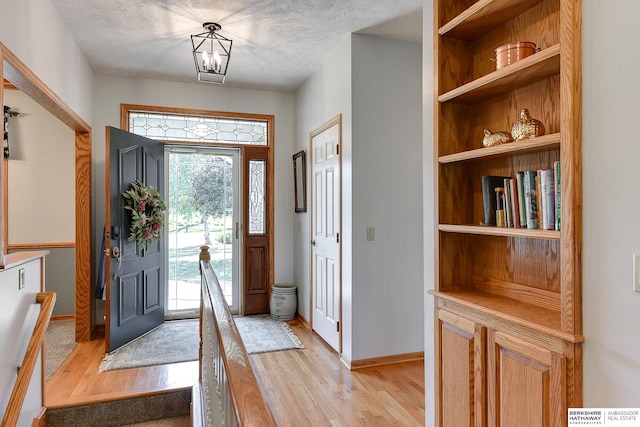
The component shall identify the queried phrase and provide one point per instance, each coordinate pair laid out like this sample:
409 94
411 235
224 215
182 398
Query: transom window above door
196 128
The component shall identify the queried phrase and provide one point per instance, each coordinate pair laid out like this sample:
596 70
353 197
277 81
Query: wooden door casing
257 250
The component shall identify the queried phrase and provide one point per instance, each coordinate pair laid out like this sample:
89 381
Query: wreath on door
147 213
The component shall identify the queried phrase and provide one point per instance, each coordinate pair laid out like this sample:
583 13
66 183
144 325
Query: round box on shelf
509 53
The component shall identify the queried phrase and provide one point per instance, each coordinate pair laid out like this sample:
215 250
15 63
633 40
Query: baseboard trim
354 365
63 317
303 320
345 361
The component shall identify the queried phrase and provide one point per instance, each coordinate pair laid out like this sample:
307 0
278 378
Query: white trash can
283 301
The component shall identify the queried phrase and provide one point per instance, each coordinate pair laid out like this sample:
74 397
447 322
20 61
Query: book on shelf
530 199
508 211
521 207
557 180
515 204
539 201
500 212
548 199
489 184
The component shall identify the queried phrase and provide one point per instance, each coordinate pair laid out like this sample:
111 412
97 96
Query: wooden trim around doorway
20 76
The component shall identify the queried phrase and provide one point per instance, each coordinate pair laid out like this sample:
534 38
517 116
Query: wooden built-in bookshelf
512 294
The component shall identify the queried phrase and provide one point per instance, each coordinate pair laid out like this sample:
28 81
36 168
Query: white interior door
325 205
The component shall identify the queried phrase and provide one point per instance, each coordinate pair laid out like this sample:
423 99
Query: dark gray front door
135 293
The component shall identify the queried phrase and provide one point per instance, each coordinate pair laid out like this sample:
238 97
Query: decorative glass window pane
257 193
185 127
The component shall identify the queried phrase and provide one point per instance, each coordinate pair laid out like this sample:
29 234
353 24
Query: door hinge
338 149
337 326
337 237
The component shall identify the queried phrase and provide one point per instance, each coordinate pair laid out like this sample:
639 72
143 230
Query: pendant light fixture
211 53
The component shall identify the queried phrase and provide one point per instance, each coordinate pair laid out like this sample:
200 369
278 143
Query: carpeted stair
123 412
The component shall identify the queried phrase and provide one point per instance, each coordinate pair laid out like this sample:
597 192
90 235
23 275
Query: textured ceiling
277 44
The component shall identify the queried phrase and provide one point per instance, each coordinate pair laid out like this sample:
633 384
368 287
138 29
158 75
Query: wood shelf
483 16
531 69
500 231
506 309
534 145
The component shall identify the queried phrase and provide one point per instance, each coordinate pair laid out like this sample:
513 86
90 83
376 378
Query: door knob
115 252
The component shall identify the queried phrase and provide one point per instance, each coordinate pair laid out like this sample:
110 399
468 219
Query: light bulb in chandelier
211 63
217 61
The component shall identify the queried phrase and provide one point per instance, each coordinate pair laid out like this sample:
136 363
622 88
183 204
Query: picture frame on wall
300 181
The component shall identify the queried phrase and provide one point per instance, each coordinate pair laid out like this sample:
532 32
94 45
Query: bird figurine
495 138
526 127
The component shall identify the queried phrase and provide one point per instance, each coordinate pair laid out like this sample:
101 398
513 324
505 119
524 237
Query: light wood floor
309 387
78 382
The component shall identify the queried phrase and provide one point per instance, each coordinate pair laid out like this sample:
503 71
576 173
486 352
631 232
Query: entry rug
262 334
172 342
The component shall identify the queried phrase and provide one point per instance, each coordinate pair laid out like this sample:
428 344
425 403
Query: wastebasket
283 301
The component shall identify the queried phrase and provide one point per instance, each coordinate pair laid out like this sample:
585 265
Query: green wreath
147 213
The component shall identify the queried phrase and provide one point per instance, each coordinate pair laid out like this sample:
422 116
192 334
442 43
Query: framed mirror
300 181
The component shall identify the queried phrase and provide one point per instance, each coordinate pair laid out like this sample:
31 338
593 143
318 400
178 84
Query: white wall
321 98
41 171
111 91
381 148
41 192
611 311
387 195
17 320
33 31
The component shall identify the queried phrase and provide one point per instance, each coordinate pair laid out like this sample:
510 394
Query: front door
135 273
325 217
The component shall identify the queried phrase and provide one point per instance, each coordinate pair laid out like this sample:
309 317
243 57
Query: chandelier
211 53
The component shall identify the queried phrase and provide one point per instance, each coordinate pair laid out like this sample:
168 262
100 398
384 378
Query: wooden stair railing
228 392
47 301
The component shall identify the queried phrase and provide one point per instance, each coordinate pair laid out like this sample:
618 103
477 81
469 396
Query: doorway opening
203 209
252 135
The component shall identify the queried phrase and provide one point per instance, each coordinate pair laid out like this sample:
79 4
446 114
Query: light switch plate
371 234
636 273
21 278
